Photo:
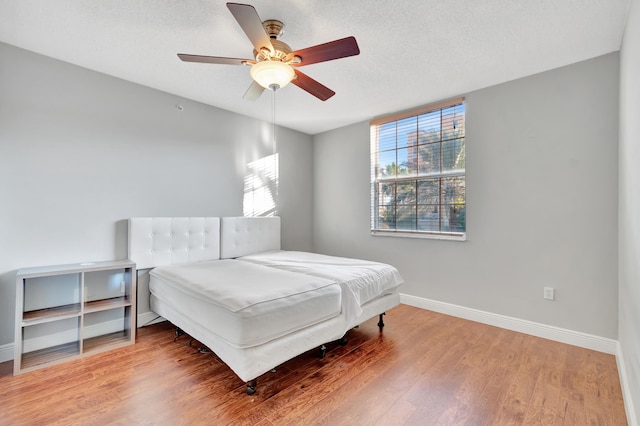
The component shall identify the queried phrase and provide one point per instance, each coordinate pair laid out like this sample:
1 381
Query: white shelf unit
65 312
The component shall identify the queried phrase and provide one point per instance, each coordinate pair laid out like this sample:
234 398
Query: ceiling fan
275 64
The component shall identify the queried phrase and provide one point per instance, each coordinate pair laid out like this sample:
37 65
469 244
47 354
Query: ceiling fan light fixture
270 73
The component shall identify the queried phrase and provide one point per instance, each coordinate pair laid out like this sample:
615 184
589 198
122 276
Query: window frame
416 177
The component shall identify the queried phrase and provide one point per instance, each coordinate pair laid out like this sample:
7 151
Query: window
418 172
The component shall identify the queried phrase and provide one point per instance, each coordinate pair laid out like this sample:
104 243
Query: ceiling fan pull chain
276 171
273 116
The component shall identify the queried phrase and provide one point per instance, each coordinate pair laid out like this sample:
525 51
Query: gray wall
542 203
80 152
629 206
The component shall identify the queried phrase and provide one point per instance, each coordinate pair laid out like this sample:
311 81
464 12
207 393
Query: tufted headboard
241 236
156 241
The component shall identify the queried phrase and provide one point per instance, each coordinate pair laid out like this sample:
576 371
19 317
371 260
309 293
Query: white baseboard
626 392
576 338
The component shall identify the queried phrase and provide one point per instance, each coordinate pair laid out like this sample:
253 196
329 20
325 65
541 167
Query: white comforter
361 280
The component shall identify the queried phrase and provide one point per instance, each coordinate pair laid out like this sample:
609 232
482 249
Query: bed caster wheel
251 387
323 351
343 340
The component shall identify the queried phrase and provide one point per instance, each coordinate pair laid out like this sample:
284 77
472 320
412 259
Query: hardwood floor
424 368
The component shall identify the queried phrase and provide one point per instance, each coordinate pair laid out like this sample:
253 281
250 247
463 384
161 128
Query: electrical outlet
549 293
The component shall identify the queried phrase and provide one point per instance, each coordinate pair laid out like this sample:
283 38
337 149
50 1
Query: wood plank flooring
424 368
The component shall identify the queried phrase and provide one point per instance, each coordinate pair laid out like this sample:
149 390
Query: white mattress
245 304
361 280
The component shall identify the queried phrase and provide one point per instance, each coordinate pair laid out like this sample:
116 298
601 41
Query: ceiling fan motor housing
274 29
281 52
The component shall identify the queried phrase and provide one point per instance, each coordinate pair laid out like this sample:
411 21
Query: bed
227 283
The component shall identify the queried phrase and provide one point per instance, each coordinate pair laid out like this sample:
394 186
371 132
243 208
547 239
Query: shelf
50 355
92 305
75 268
106 304
106 342
50 314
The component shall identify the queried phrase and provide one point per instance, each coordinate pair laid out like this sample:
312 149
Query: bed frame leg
251 387
381 322
179 332
323 351
343 340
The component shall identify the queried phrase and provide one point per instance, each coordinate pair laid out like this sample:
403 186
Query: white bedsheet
246 304
361 280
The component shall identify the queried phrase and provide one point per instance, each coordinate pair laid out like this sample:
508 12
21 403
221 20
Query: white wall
80 152
629 210
542 203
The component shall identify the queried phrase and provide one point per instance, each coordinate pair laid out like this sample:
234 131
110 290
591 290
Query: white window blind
418 172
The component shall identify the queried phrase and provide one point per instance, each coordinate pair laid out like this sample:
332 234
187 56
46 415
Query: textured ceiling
412 52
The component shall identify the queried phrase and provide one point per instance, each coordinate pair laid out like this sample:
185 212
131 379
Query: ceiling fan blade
251 24
253 92
328 51
308 84
212 59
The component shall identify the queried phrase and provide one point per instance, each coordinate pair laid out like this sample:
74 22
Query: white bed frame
165 240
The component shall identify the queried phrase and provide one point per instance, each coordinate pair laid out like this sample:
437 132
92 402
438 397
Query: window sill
426 235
